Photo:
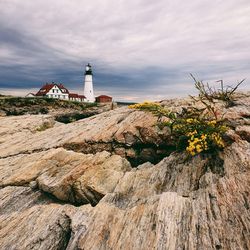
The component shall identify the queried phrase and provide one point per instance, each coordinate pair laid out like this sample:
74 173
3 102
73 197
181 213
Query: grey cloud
137 47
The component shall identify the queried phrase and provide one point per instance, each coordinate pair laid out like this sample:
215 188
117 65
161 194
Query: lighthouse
88 84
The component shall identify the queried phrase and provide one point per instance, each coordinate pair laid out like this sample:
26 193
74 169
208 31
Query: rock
33 185
60 189
79 178
130 153
31 220
27 123
40 227
15 199
2 113
69 176
137 215
236 158
107 131
100 181
24 168
243 132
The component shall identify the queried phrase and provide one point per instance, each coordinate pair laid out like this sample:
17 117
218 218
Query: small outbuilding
76 97
103 99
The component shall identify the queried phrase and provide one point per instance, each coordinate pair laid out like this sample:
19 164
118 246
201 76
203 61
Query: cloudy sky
139 49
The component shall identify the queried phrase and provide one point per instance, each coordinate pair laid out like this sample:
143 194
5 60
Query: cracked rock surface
71 186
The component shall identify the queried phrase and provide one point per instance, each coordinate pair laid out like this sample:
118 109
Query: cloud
138 48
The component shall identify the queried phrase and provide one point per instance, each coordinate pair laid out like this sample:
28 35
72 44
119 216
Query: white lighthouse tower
88 84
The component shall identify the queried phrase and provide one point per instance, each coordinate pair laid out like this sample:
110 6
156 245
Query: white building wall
88 89
55 92
77 99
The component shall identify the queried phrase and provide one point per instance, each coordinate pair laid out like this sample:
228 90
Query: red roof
45 89
48 86
63 88
73 95
103 96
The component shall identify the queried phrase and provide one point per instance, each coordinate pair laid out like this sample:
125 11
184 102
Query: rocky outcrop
71 186
129 133
72 177
32 226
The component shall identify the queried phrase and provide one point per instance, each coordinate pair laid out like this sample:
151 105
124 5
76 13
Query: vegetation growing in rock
191 130
20 105
44 126
208 95
197 135
196 130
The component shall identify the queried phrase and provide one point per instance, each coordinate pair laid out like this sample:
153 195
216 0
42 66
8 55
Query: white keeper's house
58 91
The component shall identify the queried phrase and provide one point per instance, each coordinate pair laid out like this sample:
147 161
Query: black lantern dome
88 70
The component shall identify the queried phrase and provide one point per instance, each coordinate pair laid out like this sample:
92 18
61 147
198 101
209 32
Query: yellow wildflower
189 120
203 137
212 123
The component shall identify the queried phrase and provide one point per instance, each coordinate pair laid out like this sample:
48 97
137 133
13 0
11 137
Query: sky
139 49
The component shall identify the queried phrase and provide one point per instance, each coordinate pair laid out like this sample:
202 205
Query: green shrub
44 126
43 110
190 131
196 130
